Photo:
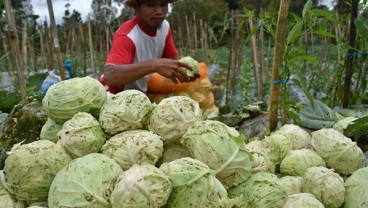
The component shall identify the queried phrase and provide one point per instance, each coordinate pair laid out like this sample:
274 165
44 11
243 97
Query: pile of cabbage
102 150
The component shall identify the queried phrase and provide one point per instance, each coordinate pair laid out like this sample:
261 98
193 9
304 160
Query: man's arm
116 75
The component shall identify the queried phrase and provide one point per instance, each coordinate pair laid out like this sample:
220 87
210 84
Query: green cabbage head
221 148
49 130
339 152
276 146
302 200
296 162
194 185
356 189
85 182
291 184
142 186
260 190
81 135
261 161
6 199
173 116
127 110
66 98
30 169
326 185
299 137
193 63
134 147
173 151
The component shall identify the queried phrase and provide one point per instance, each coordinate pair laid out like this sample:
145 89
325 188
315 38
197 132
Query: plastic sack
50 80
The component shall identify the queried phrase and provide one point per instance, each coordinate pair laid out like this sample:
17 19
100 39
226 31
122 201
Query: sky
82 6
40 8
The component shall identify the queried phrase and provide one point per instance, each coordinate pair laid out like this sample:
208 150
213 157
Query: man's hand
172 69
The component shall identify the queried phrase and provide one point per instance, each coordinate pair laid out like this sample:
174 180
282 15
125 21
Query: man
141 46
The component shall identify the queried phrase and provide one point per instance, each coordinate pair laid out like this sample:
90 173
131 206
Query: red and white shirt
133 44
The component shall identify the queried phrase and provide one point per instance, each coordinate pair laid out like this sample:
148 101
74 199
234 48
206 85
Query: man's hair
136 3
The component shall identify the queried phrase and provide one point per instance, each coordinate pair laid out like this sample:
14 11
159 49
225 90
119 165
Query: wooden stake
15 46
280 40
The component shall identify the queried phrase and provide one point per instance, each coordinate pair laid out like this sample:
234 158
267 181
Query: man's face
152 13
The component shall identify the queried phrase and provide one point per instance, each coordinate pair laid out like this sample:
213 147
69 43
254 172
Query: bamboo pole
351 57
91 52
257 74
277 61
15 46
55 41
24 44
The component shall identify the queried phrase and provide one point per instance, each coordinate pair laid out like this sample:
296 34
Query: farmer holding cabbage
143 45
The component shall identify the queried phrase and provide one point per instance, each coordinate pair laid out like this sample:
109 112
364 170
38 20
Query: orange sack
159 84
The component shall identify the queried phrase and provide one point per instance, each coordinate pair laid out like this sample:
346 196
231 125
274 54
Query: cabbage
339 152
302 200
134 147
85 182
298 161
326 185
6 199
141 186
277 146
81 135
260 190
49 130
127 110
30 169
173 151
261 162
194 185
219 147
291 184
68 97
193 63
299 137
172 117
356 189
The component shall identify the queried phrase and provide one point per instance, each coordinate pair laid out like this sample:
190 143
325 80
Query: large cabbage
6 199
49 130
68 97
326 185
261 161
142 186
30 169
356 189
260 190
298 161
194 185
173 116
299 137
221 148
127 110
85 182
173 151
339 152
134 147
276 146
291 184
302 200
81 135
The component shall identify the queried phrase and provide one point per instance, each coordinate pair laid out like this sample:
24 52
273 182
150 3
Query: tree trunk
254 52
55 42
24 45
15 46
91 53
351 54
277 61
